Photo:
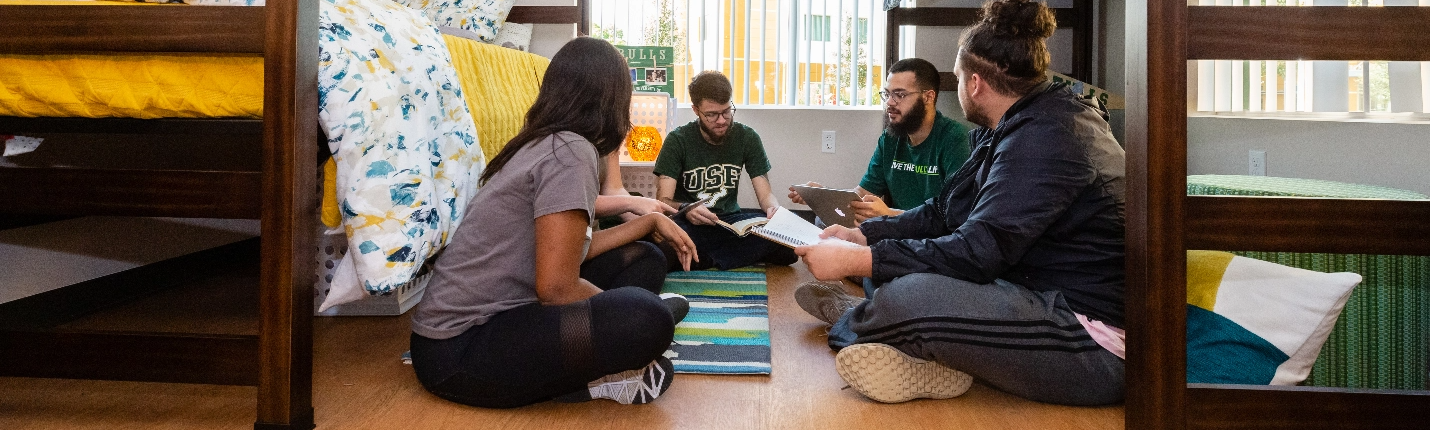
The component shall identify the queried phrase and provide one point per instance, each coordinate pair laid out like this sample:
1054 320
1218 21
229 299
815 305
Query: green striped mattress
1382 339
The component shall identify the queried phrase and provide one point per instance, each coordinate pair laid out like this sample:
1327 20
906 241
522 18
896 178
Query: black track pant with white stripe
1021 341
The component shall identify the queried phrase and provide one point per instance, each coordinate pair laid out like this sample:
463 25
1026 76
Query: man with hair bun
1014 274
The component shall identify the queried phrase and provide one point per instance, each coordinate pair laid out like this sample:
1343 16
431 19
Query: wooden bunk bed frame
1163 221
1078 18
278 360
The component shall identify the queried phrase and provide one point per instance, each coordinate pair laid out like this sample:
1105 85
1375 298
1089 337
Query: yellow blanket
137 86
500 85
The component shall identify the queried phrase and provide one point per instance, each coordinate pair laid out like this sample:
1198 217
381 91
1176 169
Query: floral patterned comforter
402 136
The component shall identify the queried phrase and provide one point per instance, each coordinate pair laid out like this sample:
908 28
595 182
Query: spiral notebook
788 229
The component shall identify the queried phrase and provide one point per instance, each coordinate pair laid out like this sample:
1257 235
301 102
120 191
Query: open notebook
788 229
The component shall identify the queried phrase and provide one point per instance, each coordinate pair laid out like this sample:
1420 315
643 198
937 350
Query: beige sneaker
885 374
827 302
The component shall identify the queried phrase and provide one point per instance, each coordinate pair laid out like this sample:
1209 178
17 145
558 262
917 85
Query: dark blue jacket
1038 204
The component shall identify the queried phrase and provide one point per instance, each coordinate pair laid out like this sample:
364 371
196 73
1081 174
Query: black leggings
636 264
533 353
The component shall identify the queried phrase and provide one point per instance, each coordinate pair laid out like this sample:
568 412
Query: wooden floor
359 383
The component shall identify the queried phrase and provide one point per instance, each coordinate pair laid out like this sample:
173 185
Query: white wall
546 39
791 138
1390 155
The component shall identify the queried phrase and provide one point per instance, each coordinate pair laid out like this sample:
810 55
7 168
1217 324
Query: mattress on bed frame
132 86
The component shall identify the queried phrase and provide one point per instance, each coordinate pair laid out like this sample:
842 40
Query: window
1259 87
816 28
863 31
775 52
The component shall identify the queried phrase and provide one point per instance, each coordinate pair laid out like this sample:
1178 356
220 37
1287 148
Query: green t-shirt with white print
909 175
703 169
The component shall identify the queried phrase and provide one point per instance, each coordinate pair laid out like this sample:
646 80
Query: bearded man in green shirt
919 148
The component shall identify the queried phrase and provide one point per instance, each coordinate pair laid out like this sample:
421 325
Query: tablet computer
831 205
688 207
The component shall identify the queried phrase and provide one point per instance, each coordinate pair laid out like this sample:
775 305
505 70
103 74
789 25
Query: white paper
21 144
789 229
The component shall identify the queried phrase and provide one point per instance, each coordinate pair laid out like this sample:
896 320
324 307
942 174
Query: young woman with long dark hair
511 317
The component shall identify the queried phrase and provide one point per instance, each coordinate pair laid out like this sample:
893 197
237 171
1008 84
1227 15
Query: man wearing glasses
919 148
703 160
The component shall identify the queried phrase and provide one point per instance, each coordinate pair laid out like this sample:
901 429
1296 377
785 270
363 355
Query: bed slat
1292 224
1262 407
50 309
200 126
122 356
175 193
961 16
1392 33
76 29
544 14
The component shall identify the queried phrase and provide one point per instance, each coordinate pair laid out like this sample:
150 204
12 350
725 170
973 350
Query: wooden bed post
1156 257
290 112
583 25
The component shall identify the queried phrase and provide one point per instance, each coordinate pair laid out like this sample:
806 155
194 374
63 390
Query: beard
910 122
976 114
710 134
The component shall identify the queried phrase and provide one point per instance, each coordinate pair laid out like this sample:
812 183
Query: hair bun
1019 19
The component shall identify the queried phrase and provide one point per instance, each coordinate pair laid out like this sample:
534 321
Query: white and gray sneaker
826 301
885 374
631 387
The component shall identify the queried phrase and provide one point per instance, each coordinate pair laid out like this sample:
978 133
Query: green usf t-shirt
702 169
907 175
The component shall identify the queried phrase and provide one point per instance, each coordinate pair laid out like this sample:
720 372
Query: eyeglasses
898 95
714 116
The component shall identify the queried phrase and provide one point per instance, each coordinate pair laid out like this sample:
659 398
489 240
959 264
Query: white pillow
482 17
1293 309
512 35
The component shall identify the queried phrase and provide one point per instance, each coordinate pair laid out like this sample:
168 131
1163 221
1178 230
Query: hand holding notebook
785 228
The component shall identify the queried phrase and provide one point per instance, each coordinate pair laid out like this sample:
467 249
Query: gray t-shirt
489 266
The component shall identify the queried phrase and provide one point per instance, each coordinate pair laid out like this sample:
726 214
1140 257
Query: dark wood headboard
1078 18
580 14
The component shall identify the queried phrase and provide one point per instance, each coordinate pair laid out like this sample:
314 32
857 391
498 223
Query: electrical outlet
1256 163
826 142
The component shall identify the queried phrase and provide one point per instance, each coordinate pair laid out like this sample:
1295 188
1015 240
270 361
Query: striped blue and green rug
728 328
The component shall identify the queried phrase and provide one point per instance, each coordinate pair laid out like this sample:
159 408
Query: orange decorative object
643 142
